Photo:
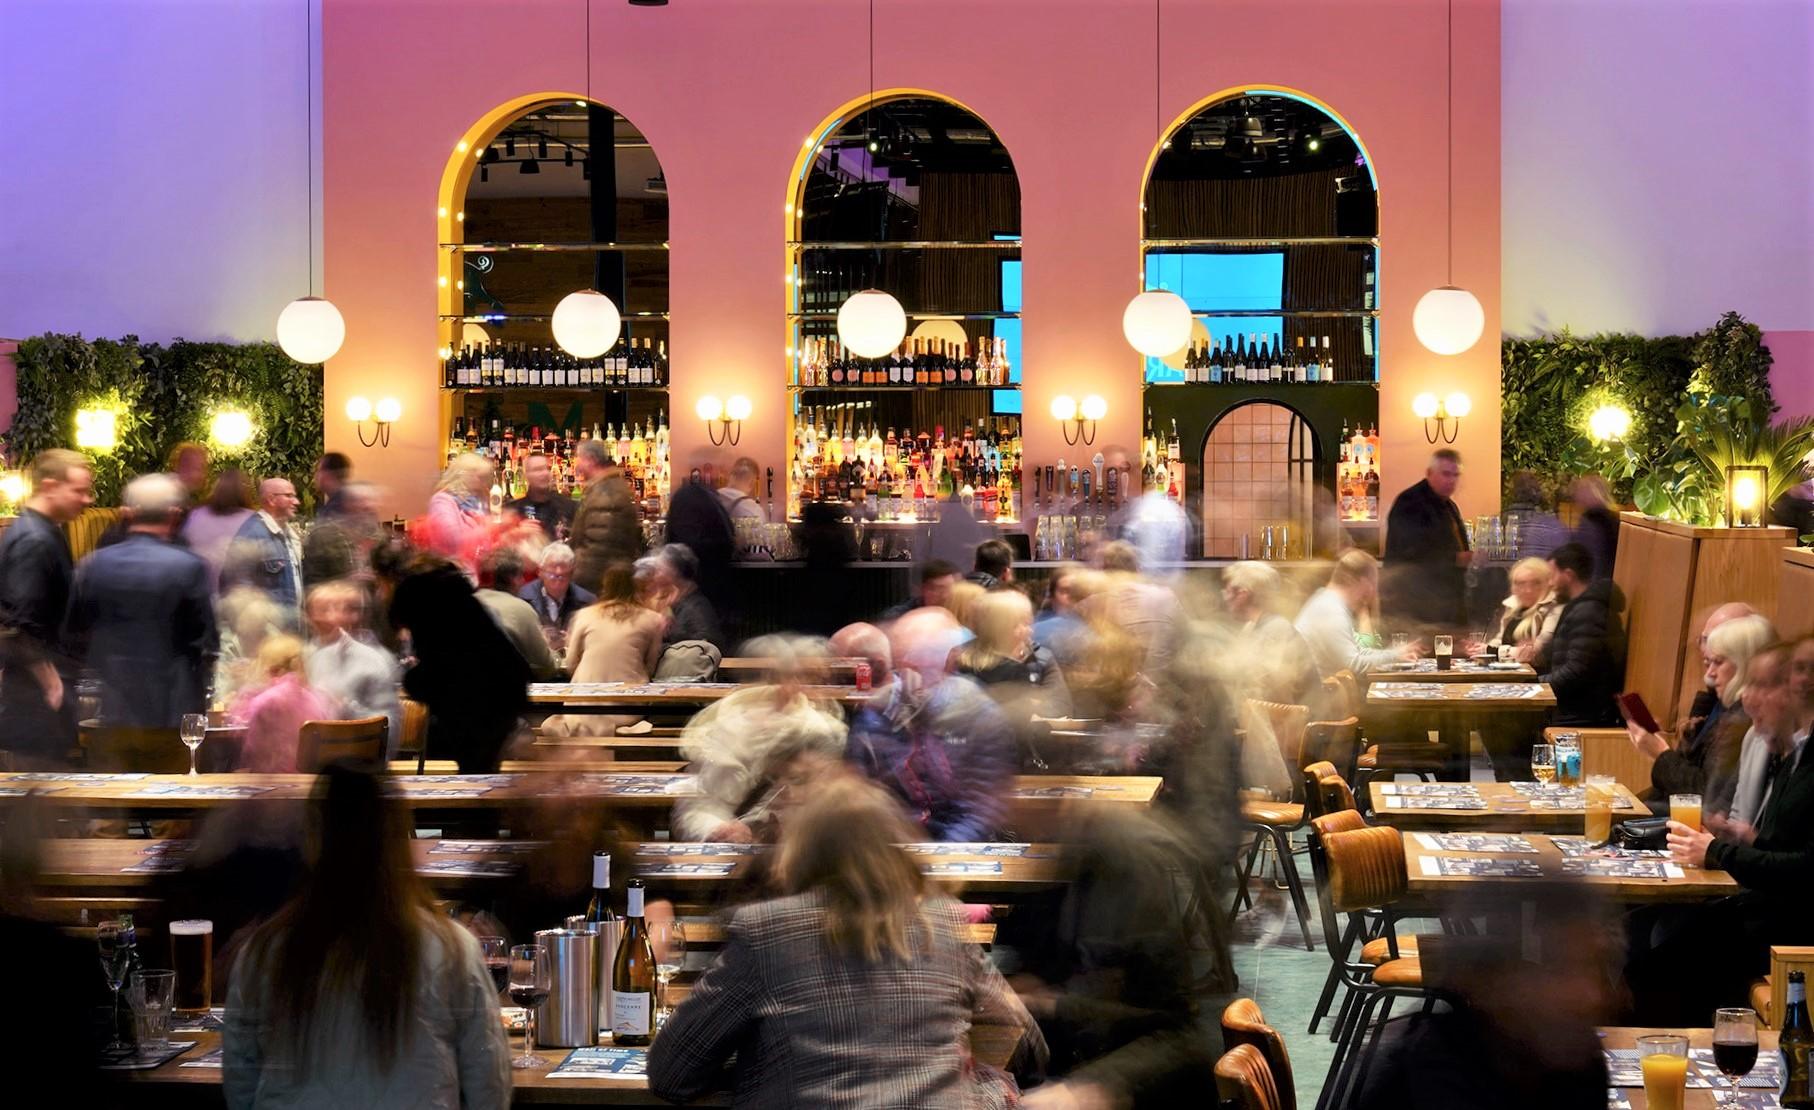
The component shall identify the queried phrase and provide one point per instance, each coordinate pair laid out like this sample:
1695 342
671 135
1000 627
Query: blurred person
670 577
245 618
1801 678
698 521
1585 660
209 529
1157 528
187 462
1059 627
606 526
1527 619
1020 675
740 744
459 510
937 742
1598 526
37 672
1146 610
332 473
501 574
340 545
961 601
856 987
741 495
933 587
142 613
266 552
1272 656
994 564
468 675
550 511
359 992
867 642
1705 760
274 708
1528 510
360 677
1776 731
613 640
553 595
1337 620
1427 555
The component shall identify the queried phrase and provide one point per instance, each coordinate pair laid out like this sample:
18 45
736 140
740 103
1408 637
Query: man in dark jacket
1585 661
1425 578
606 527
37 685
144 613
697 518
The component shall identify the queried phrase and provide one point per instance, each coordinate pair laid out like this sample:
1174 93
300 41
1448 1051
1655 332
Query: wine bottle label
630 1014
601 870
634 907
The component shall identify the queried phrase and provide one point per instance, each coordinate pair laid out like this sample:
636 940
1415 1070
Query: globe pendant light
1157 322
586 323
1448 319
310 329
871 323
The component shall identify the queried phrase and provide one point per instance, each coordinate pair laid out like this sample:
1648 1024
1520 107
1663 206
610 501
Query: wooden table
1607 751
1451 695
1695 885
1697 1099
1463 670
745 668
583 697
1455 710
1518 817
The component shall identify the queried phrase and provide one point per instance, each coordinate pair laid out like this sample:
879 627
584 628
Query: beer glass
1568 760
1663 1058
1601 790
150 995
1445 651
192 955
1685 809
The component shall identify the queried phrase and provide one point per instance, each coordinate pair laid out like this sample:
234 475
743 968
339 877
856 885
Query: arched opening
1259 484
546 196
914 195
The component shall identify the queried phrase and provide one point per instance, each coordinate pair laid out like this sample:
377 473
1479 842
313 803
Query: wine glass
669 939
116 958
531 978
1543 763
194 727
496 952
1735 1042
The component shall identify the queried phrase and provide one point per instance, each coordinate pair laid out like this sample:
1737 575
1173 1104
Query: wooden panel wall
1655 570
1795 593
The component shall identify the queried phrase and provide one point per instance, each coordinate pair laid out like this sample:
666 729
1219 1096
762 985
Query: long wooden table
581 697
1694 884
1506 811
1450 696
1624 1037
1461 671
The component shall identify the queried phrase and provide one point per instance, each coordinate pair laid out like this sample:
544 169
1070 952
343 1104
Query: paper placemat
478 868
1621 868
485 847
1475 842
965 867
715 870
603 1063
972 848
1480 866
205 1060
698 849
133 1059
185 790
1454 801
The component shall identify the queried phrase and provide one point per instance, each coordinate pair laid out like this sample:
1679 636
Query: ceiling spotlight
1313 143
541 148
509 147
569 157
484 173
529 165
490 156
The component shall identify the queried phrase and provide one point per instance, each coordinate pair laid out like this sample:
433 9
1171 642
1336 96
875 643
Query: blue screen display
1008 400
1220 283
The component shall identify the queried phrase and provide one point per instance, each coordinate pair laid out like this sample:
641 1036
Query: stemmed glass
669 939
531 978
1543 763
116 958
496 952
194 727
1735 1042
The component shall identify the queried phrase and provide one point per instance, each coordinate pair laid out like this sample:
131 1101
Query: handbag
1642 832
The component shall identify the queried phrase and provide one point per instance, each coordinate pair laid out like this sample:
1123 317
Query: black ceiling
1257 136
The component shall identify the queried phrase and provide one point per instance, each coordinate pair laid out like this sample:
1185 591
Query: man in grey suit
143 615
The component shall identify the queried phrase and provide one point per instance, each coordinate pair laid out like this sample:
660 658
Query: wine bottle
633 976
598 910
1795 1042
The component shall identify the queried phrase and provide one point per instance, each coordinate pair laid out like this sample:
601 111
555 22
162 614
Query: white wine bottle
633 976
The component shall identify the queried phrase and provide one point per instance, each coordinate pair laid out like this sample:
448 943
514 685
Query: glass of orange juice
1664 1061
1600 792
1685 809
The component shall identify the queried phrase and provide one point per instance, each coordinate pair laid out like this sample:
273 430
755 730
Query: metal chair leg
1354 1010
1337 956
1296 885
1243 874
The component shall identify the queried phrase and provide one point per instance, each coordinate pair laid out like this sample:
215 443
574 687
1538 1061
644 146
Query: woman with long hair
1527 619
459 513
856 988
1020 675
615 639
357 992
210 527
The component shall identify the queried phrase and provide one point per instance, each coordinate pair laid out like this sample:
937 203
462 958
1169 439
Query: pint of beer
192 955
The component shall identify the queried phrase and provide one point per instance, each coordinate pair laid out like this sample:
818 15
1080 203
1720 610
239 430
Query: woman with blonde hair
273 712
1527 618
1020 675
962 600
615 639
459 511
854 988
1710 760
1338 621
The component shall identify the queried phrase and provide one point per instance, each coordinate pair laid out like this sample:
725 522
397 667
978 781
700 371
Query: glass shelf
906 245
1367 382
554 389
1328 313
504 317
494 248
939 388
1308 241
833 315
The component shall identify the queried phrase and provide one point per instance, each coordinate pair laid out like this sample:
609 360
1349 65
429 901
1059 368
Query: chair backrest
1334 795
1287 723
1784 959
1366 868
1313 777
1335 741
359 742
415 727
120 749
1243 1081
1242 1023
84 532
1349 698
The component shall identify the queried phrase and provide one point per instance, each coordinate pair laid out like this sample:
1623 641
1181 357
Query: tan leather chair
1336 741
1333 795
1275 821
1243 1024
1243 1081
359 742
414 728
1313 790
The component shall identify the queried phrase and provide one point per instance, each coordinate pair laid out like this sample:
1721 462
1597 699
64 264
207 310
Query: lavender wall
154 178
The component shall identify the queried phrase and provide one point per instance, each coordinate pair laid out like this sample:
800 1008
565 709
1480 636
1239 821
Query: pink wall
1792 371
726 90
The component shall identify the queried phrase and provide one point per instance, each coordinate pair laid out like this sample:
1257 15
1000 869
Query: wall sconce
96 430
1072 417
230 429
13 487
1747 490
1447 413
388 410
727 415
1609 422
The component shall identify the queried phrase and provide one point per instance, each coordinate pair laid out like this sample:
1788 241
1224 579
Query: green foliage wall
163 395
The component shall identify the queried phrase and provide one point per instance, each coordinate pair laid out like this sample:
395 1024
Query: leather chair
1313 775
1337 741
414 726
1243 1081
359 742
1274 822
1242 1023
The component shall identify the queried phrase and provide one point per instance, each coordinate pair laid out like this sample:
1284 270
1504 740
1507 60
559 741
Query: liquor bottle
633 976
1796 1041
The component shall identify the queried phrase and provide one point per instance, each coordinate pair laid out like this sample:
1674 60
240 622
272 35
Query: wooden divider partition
1672 576
1795 593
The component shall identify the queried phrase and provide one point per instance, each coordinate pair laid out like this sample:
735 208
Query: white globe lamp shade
1424 405
1064 408
1157 323
389 410
1448 320
738 408
586 323
310 329
358 409
1458 405
1093 408
709 408
871 323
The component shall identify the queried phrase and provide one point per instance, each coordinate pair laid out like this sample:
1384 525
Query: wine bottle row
1260 358
516 366
917 362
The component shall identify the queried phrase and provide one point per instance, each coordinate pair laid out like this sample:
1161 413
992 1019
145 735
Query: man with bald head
266 553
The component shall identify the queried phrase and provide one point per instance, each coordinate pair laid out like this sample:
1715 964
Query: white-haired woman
459 512
1527 619
1709 761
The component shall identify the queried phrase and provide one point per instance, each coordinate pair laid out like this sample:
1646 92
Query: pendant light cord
588 47
308 135
1158 67
1450 120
